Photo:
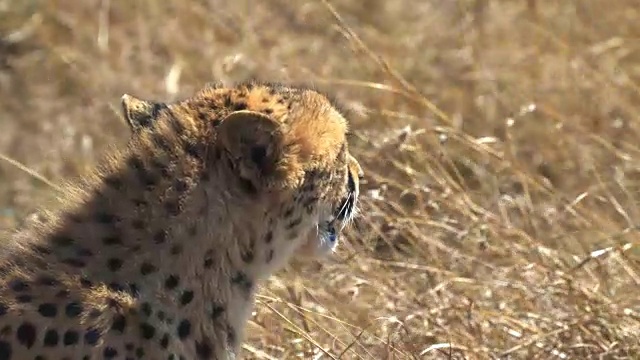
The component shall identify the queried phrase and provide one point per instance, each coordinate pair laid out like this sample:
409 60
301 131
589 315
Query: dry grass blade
34 174
499 141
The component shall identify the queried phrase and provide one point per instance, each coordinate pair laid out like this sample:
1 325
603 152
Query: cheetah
157 252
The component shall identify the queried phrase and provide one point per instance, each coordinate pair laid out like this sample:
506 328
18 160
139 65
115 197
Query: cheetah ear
254 143
140 113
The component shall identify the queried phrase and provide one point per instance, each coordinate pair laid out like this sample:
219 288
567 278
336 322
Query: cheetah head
287 146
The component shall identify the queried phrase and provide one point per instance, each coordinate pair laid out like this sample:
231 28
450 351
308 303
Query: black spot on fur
216 311
47 280
51 338
162 168
164 341
94 313
114 286
186 297
269 256
106 218
180 185
18 285
138 224
112 303
119 323
140 353
160 141
84 252
147 331
184 329
109 352
171 282
86 283
24 299
114 264
172 207
113 182
231 336
73 309
160 237
269 237
145 177
161 315
205 176
135 163
309 203
3 309
41 249
147 268
5 350
146 309
192 150
294 223
5 331
48 310
70 338
288 212
112 240
208 262
26 334
240 105
227 101
242 280
133 290
149 180
247 186
176 125
247 256
203 350
91 337
139 202
176 249
62 241
76 263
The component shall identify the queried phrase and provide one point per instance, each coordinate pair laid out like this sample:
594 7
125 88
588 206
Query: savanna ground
499 140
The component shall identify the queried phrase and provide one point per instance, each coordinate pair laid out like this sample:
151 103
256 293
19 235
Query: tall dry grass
499 140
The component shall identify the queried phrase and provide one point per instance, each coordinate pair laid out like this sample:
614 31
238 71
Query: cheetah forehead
308 120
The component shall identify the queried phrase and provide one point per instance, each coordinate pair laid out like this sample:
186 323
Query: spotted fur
157 252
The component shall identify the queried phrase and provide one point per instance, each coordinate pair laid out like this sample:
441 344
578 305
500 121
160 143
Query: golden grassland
499 140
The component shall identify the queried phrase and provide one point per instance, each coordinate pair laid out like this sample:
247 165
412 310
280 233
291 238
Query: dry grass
499 140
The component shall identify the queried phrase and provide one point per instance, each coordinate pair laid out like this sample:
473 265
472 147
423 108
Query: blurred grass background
499 140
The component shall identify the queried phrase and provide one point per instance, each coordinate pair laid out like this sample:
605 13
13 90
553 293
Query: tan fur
156 253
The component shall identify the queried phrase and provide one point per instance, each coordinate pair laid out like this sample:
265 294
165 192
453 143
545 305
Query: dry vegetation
499 138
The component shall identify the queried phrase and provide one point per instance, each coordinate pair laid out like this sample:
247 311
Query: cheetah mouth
343 213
